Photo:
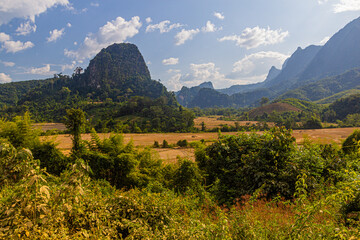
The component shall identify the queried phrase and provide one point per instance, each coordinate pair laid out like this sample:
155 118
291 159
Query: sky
184 43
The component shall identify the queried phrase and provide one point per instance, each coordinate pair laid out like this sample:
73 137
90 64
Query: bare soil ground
332 135
213 122
49 126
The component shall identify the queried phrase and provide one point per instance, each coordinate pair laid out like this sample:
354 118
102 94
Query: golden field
329 135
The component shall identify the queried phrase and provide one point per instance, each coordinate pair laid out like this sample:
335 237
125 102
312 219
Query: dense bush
351 143
182 143
50 157
239 165
267 163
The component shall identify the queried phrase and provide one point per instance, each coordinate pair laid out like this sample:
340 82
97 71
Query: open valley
324 136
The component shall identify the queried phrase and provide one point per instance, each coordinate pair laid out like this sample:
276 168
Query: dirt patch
49 126
214 121
170 155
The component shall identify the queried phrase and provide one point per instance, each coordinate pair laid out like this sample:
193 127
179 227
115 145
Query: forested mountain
10 93
345 106
326 87
313 73
186 95
115 90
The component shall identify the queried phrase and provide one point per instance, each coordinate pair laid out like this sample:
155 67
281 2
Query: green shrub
156 144
187 177
182 143
165 144
50 157
19 132
351 143
312 123
239 165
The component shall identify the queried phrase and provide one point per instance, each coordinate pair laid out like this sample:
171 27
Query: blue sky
183 42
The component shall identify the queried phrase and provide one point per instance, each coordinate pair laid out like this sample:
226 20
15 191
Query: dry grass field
49 126
331 135
213 122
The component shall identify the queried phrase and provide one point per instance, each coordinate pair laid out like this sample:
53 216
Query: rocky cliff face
118 72
115 65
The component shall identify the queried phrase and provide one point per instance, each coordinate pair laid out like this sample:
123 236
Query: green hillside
116 83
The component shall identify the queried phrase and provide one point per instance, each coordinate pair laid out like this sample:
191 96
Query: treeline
136 114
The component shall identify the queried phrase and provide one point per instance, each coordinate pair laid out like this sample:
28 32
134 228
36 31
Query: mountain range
312 73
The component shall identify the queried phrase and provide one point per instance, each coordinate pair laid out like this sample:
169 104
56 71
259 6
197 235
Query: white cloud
26 28
219 15
5 78
322 1
16 46
26 9
163 26
255 37
42 70
116 31
148 20
71 8
4 37
68 66
55 35
347 5
94 4
200 73
8 64
184 35
257 64
324 41
205 71
170 61
210 27
174 82
173 71
69 25
13 46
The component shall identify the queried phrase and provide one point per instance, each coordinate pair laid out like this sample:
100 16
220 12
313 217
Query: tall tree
74 121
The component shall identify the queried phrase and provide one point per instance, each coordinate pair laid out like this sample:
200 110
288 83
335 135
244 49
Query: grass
324 136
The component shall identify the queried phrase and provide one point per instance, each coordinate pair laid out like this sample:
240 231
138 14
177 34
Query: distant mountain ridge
312 67
295 65
339 54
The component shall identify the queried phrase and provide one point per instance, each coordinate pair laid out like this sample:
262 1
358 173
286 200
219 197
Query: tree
74 122
264 100
351 143
312 123
78 70
239 165
203 126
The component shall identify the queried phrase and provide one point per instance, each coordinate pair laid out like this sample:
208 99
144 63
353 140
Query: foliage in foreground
38 205
109 190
